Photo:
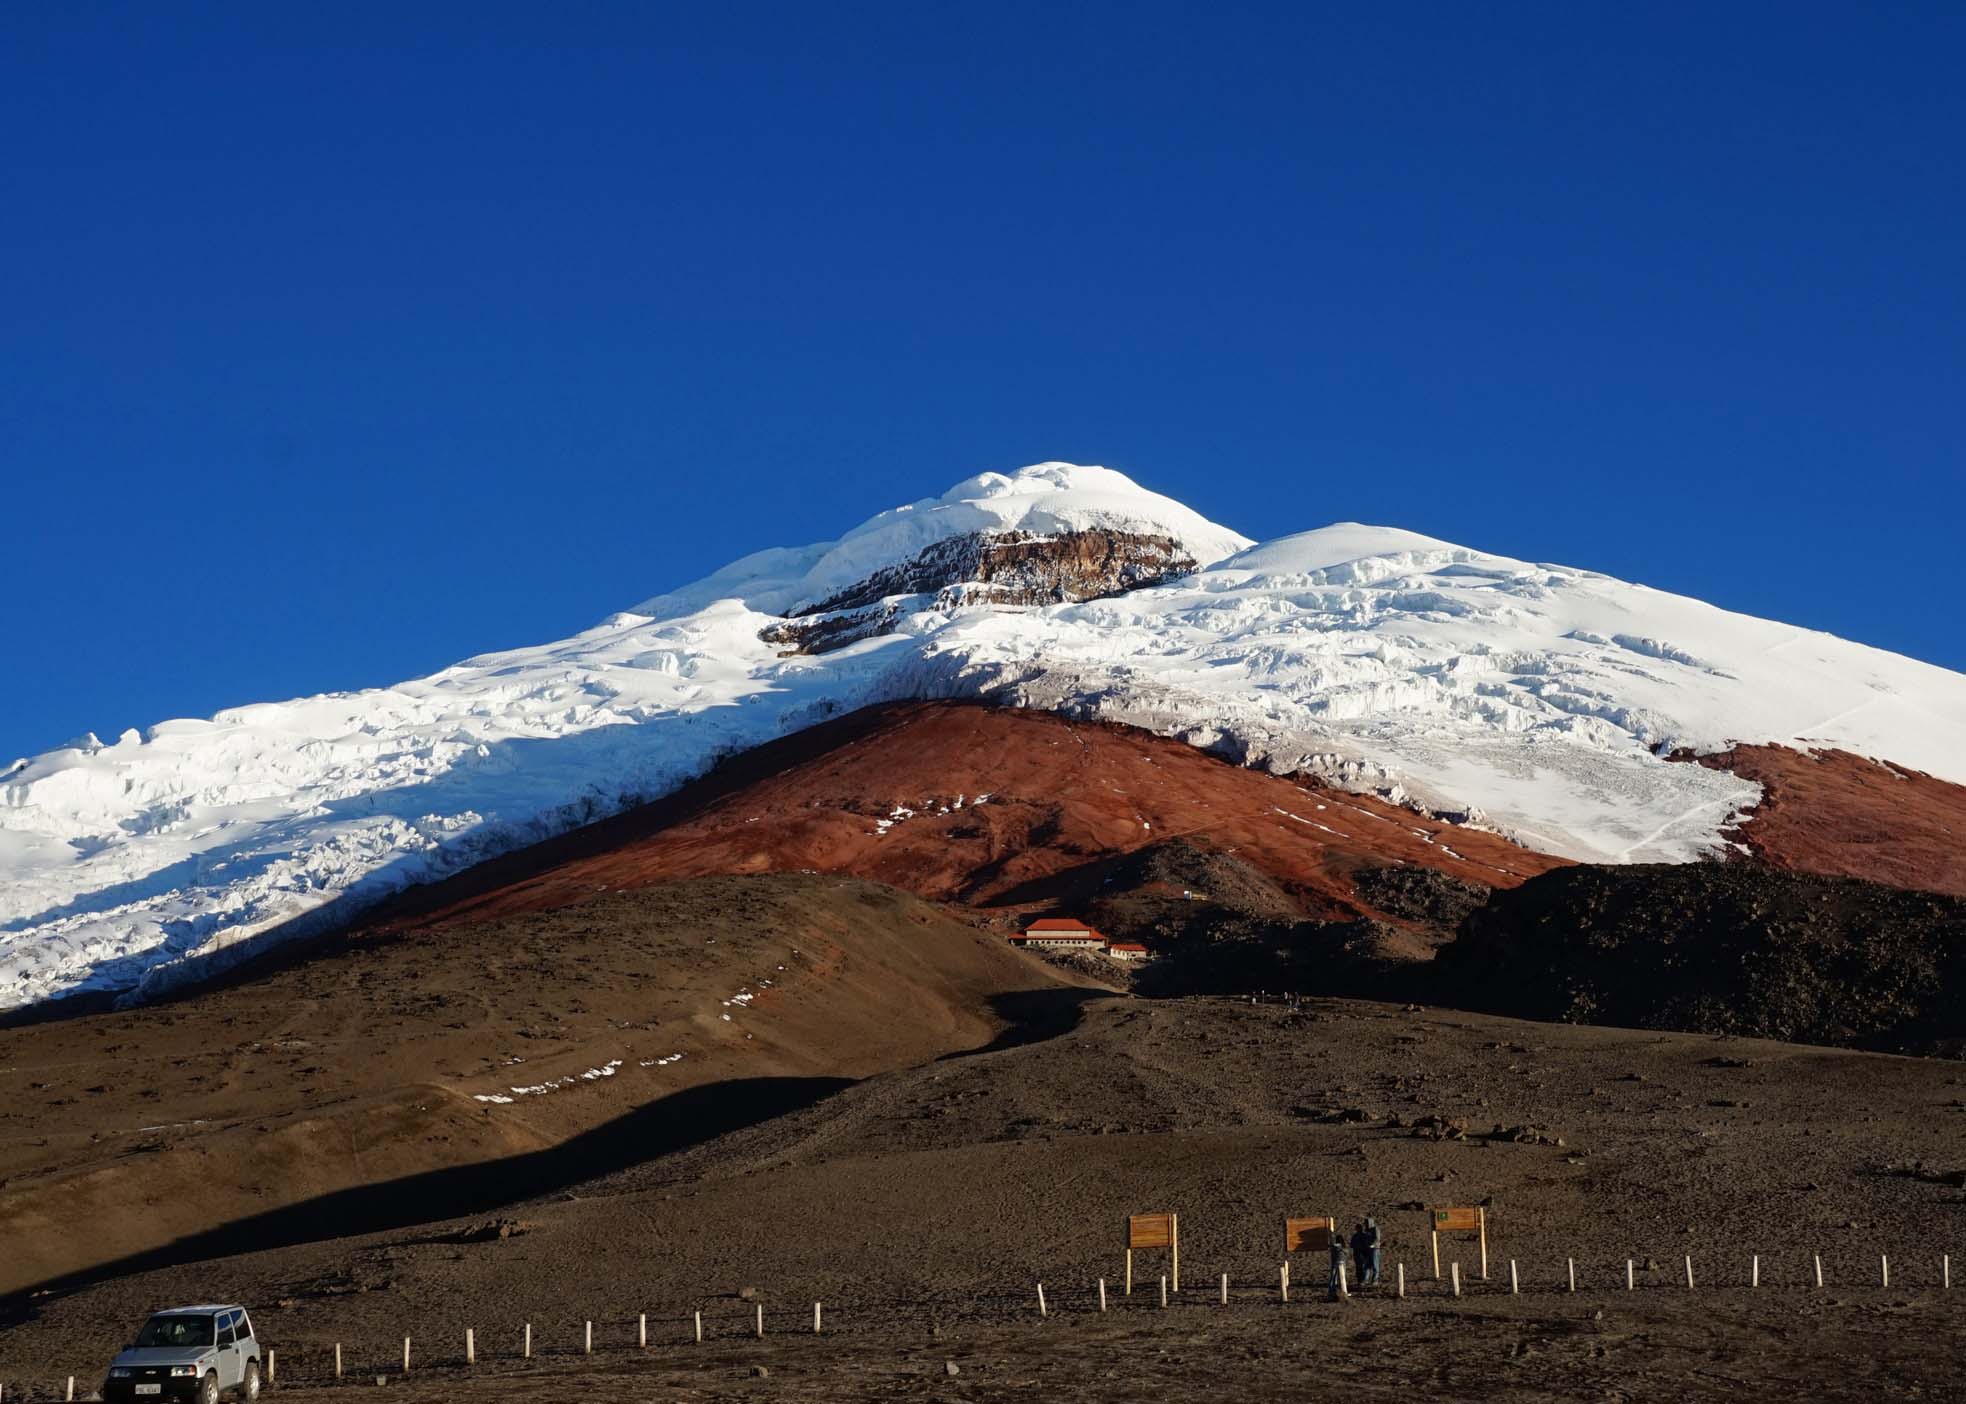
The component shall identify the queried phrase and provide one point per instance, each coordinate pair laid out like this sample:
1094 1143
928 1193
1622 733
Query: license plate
150 1389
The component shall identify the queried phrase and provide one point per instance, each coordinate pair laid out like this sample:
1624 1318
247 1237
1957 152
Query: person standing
1368 1273
1337 1261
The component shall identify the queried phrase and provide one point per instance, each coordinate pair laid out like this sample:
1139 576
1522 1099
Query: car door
248 1344
230 1371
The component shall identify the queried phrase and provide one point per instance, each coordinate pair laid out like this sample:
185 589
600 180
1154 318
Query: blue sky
342 342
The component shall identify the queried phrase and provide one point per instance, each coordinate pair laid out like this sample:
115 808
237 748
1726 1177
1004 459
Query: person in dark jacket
1358 1255
1337 1261
1368 1272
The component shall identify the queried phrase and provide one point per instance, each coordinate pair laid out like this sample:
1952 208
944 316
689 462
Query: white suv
194 1352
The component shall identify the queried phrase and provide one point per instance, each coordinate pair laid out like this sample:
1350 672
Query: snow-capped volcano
1540 700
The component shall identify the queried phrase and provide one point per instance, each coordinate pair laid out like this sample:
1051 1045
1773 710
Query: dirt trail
1649 1346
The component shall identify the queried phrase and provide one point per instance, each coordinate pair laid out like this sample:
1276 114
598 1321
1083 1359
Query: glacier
1541 701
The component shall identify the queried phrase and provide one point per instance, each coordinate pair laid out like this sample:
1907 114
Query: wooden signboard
1154 1231
1474 1220
1150 1231
1308 1235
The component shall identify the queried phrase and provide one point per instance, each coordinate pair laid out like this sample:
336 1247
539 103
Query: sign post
1153 1231
1465 1220
1312 1235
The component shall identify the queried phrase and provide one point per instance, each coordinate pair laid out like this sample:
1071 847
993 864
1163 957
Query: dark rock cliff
1004 568
1728 948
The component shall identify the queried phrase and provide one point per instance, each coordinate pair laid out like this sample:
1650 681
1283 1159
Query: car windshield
168 1330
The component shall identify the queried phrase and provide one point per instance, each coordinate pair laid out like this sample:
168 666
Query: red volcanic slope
992 807
1840 814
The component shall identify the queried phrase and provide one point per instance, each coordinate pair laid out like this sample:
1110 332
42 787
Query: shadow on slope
662 1127
1031 1016
391 1055
666 1125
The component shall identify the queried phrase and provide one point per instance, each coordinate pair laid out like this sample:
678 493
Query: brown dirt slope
356 1073
1843 815
922 1208
993 807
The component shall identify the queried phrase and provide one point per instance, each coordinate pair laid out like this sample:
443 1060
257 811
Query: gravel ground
935 1199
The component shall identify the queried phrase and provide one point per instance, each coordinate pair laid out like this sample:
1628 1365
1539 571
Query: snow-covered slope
1537 699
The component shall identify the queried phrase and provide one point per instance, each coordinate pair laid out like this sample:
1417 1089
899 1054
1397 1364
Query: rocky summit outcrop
1009 568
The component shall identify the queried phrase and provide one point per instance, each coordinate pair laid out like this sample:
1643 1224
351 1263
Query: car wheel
250 1388
208 1390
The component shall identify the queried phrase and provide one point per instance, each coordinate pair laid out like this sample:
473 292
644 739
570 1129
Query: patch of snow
1310 822
540 1089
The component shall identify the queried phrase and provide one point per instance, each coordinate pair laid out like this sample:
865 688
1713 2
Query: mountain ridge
1539 701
